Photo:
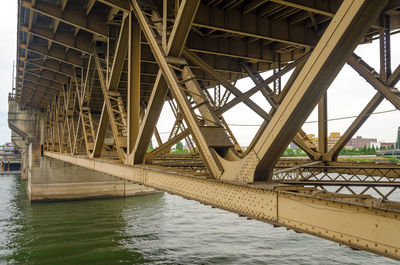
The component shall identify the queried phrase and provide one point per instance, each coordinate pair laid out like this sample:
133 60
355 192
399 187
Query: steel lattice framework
101 70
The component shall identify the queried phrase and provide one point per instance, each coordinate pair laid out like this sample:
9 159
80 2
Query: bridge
93 78
10 163
394 152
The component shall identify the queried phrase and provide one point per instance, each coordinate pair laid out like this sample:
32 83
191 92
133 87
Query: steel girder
358 222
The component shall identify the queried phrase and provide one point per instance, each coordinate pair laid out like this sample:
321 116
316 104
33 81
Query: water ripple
151 229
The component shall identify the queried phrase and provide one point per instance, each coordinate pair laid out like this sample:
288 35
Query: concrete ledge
87 190
55 180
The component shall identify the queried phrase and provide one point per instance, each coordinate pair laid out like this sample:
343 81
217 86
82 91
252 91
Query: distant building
332 139
293 146
387 145
360 142
313 139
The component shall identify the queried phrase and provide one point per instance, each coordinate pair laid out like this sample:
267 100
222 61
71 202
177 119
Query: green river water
150 229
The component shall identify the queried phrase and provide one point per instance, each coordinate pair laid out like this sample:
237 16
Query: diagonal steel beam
110 111
243 97
176 42
170 77
350 23
113 82
362 68
355 125
234 90
300 140
394 77
166 146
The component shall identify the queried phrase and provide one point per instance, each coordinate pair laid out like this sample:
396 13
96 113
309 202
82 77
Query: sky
8 51
347 95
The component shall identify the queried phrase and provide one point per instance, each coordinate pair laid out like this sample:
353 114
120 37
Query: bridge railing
361 180
394 152
11 96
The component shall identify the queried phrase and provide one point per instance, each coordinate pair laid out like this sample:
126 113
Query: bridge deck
358 221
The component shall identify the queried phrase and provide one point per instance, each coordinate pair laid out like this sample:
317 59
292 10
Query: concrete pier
57 180
49 179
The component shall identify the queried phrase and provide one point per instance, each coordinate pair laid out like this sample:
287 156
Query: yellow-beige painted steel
358 226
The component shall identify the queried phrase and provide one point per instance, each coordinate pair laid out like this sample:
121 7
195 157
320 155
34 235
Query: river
150 229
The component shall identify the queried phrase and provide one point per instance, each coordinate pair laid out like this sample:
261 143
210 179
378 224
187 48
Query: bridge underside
99 73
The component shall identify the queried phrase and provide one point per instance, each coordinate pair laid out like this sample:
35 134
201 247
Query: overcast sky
8 29
347 95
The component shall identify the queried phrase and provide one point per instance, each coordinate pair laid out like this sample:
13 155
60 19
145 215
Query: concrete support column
27 125
58 180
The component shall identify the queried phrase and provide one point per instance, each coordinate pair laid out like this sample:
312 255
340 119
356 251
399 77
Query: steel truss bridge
101 71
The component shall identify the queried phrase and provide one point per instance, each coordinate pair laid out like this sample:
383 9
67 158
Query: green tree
363 150
151 145
373 150
179 146
299 152
289 152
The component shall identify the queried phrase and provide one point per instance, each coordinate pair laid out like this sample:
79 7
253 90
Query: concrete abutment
57 180
49 179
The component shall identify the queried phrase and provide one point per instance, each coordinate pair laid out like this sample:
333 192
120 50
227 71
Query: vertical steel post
323 125
133 82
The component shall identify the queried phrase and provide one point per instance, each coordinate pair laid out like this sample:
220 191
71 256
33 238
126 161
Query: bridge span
394 153
93 78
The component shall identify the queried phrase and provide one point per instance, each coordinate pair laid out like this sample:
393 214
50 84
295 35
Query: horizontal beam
71 16
118 4
33 87
233 21
310 6
209 48
51 65
358 225
47 74
71 57
38 80
80 42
